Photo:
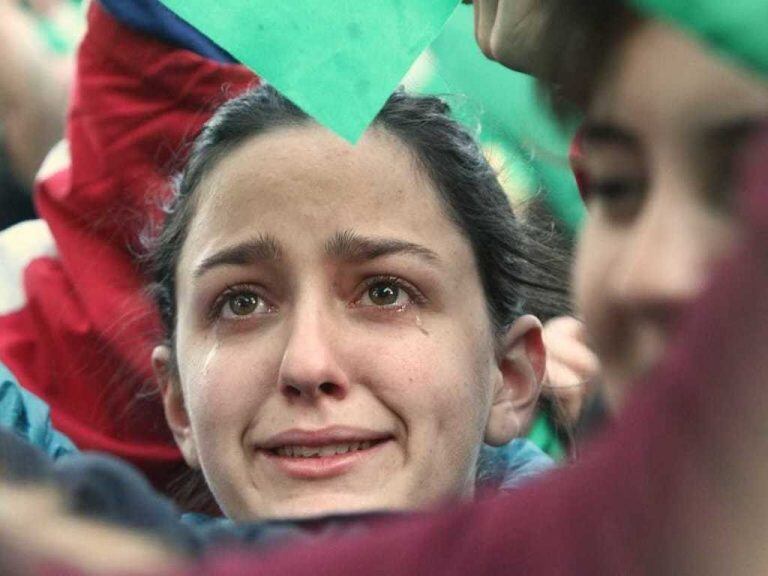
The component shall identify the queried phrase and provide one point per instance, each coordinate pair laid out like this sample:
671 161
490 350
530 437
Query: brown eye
243 304
619 199
389 294
384 294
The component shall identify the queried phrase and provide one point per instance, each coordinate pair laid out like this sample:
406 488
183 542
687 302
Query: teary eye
384 293
720 155
239 303
389 293
242 304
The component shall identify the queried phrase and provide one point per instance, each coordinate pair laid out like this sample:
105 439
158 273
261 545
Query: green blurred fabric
735 28
504 110
544 435
62 34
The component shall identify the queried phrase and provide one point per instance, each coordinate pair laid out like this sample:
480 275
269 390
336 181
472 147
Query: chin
315 506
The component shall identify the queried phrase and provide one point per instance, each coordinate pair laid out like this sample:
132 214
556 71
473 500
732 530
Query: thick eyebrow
599 133
263 248
349 245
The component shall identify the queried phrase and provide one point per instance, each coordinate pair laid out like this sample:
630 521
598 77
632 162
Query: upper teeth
321 451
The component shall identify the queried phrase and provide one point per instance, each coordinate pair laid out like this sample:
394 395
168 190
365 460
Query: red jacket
83 339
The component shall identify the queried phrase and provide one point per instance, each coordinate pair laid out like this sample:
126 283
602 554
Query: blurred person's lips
324 453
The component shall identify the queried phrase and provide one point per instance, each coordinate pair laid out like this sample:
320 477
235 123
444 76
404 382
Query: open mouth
327 451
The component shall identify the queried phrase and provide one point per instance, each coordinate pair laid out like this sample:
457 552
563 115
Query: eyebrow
348 245
607 134
263 248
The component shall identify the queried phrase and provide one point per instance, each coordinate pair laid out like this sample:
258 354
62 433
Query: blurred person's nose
668 254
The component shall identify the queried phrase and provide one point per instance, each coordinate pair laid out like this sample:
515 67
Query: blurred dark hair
520 272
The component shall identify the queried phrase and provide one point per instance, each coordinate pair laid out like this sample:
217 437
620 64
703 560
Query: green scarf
738 29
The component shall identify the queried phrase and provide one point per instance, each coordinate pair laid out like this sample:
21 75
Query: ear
521 367
176 415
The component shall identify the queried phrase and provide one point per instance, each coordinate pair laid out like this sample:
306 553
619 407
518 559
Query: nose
666 257
310 369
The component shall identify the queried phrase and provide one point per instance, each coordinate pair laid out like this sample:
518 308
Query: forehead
661 81
303 184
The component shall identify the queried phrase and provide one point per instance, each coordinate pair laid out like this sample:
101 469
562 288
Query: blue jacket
29 417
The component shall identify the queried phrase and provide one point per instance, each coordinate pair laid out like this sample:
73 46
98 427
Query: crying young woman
348 326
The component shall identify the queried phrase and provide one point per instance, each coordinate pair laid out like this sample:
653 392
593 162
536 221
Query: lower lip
321 467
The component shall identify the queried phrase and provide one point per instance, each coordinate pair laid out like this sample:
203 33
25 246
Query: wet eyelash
414 293
221 300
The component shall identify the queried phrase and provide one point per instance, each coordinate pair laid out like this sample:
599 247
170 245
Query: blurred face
333 346
659 144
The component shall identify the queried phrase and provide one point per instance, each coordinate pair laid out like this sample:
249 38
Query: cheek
223 386
592 266
436 381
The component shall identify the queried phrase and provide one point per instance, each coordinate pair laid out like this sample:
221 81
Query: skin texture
315 350
658 162
572 368
34 86
507 30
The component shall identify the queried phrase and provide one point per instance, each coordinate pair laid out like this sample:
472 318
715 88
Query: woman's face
659 143
333 345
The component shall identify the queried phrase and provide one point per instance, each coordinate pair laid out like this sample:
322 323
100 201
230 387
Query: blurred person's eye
720 159
609 170
618 198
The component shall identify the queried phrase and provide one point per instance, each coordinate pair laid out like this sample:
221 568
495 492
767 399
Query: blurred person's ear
521 369
166 376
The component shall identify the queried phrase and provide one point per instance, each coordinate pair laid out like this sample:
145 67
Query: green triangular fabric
736 28
338 60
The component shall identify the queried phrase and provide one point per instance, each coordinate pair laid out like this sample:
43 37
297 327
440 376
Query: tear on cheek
420 325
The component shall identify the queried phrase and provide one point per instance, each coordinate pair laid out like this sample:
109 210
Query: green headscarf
735 28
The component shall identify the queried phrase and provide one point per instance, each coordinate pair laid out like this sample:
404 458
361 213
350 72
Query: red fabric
83 340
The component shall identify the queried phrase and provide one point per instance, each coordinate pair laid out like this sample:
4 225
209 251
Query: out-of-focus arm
34 85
